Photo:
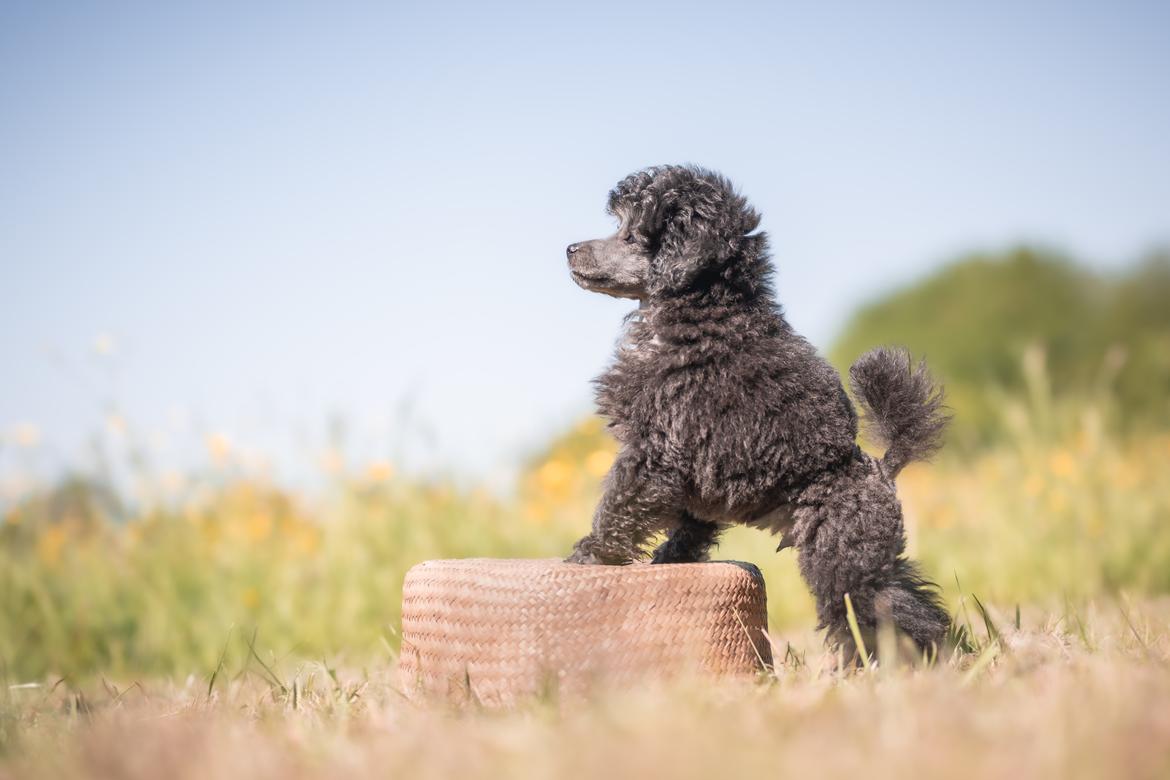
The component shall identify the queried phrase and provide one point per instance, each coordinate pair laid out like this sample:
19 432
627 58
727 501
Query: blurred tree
1137 323
975 319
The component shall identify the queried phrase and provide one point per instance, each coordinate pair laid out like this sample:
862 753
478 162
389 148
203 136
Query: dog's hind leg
691 540
850 541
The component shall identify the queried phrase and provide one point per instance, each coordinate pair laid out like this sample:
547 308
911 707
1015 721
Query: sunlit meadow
225 613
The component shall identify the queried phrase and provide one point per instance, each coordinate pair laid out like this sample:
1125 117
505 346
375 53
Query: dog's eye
631 239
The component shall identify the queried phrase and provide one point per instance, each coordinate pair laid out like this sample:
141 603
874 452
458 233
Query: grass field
227 626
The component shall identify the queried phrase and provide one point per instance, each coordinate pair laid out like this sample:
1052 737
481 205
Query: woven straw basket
494 631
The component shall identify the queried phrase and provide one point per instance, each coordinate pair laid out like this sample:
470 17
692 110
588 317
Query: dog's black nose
572 249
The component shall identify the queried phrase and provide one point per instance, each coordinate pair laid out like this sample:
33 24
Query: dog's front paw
667 554
583 552
586 551
584 558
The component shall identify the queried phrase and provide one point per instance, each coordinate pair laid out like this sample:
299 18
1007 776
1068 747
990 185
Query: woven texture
493 631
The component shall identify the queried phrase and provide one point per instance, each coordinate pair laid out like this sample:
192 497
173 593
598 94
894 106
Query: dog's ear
703 224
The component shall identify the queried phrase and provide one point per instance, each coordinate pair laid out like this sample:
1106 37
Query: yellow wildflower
219 446
250 598
554 476
380 471
308 540
332 463
259 526
1062 464
1033 485
598 462
536 512
50 544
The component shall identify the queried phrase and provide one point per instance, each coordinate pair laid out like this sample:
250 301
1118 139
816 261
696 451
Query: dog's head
680 227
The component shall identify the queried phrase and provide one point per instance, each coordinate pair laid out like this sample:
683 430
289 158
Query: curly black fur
690 541
903 407
726 415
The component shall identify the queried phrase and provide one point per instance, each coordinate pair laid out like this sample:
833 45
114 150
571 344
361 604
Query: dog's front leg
690 541
629 512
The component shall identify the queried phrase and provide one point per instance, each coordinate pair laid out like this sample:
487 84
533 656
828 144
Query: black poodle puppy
725 415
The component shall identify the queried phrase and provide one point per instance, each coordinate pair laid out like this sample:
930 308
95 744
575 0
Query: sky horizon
251 223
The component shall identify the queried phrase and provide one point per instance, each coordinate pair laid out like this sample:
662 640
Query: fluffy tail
902 406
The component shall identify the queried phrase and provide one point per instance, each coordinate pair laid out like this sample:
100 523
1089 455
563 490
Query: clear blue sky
292 211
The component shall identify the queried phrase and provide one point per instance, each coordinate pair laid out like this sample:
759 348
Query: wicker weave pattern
494 630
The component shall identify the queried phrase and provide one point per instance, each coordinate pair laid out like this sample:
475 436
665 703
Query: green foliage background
975 320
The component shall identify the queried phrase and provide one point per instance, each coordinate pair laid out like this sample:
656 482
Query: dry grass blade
764 665
988 623
215 673
855 630
269 675
986 656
